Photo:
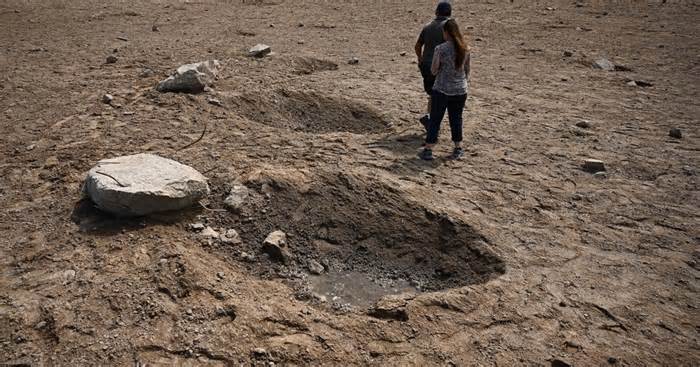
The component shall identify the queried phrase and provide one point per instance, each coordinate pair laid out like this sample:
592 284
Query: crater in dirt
310 65
310 111
370 239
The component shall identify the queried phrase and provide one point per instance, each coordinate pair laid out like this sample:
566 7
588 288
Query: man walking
429 38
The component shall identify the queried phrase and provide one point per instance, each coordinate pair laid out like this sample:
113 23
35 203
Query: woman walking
451 69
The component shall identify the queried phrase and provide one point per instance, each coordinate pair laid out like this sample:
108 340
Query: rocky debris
403 53
111 59
236 198
612 360
142 184
123 38
231 236
315 267
675 133
583 124
604 64
559 363
196 226
354 61
214 101
107 99
247 257
260 50
275 245
191 78
392 307
568 53
147 73
155 28
259 353
593 165
209 232
600 175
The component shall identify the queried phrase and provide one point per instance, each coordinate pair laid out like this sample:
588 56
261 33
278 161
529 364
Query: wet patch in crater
311 112
370 240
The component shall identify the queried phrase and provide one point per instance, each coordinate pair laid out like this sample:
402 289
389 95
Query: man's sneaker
426 155
425 120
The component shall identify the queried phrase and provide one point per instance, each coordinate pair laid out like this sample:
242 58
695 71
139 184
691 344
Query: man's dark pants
454 106
428 78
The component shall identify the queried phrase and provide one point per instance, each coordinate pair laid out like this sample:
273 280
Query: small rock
675 133
275 245
604 64
214 102
600 175
559 363
572 344
220 275
259 352
191 78
197 226
123 38
31 147
111 59
231 236
403 53
392 307
568 53
315 267
583 124
209 232
236 198
146 73
259 50
354 61
247 257
612 360
107 99
40 325
301 42
593 165
155 28
631 83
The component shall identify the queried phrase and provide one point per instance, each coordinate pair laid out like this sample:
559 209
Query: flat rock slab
191 78
142 184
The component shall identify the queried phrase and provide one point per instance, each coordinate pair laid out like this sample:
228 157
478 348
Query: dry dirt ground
521 256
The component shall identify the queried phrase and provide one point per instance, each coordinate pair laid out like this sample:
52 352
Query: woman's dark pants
454 106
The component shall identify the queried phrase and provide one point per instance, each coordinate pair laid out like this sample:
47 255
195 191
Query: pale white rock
604 64
142 184
191 78
231 236
259 50
209 232
236 198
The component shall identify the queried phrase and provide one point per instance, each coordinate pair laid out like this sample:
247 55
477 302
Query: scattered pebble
604 64
123 38
568 53
209 232
593 165
260 50
155 28
197 226
214 101
111 59
107 99
675 133
583 124
315 267
354 61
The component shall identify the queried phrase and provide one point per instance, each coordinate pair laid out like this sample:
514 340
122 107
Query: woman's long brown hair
461 47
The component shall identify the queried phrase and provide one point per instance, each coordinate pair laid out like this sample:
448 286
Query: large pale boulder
191 78
141 184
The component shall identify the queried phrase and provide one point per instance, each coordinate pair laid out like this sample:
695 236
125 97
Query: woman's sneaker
426 155
457 153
